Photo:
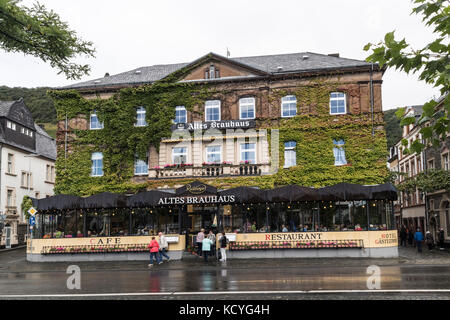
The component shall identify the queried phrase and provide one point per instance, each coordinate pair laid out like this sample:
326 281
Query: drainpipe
424 167
371 98
65 138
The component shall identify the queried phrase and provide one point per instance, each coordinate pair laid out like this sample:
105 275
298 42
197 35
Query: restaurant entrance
199 218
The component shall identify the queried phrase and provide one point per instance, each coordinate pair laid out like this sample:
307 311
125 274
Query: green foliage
430 181
432 62
120 140
38 32
393 127
36 99
26 205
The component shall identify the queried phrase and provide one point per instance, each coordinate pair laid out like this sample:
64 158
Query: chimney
107 74
334 55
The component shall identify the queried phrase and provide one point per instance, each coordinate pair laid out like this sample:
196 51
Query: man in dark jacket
441 238
418 237
410 236
429 240
403 236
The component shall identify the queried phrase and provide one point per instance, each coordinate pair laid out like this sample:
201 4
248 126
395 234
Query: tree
431 61
38 32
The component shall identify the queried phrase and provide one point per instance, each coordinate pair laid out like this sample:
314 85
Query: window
213 154
52 173
22 130
97 164
445 161
337 103
212 110
431 164
288 106
212 72
47 173
10 163
247 108
10 199
10 125
95 123
140 167
180 114
26 179
290 156
339 153
248 153
179 155
37 195
140 119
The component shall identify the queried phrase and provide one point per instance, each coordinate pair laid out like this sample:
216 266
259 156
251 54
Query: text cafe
344 220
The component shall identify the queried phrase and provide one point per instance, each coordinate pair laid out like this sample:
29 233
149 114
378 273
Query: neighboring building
325 107
27 167
411 204
438 202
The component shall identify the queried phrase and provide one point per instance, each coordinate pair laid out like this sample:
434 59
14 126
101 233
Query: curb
15 248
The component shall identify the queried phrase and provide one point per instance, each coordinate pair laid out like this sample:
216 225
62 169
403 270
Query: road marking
222 293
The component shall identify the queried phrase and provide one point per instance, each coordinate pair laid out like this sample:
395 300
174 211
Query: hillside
393 128
40 105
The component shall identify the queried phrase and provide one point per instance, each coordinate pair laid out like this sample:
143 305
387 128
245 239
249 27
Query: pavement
412 275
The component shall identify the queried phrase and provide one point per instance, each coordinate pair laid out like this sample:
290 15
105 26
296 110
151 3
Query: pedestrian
403 236
254 229
223 241
154 248
206 248
410 237
163 247
212 237
441 238
200 237
418 237
283 228
429 240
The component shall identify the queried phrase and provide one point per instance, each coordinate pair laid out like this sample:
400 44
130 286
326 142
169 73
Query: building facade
255 121
27 167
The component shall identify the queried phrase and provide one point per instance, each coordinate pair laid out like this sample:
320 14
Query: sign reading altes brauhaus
197 200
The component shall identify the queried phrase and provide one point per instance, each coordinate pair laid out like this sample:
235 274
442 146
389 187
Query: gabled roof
45 145
5 107
261 65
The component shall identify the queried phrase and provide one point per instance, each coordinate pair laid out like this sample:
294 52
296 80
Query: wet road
238 279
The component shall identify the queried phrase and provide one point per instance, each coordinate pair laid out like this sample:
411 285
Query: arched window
290 156
288 106
97 164
338 103
140 117
339 153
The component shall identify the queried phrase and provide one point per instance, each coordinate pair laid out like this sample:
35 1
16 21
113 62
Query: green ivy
120 140
430 181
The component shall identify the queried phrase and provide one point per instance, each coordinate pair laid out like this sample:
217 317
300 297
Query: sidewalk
15 248
434 256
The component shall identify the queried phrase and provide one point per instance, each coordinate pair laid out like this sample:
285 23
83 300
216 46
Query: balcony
206 171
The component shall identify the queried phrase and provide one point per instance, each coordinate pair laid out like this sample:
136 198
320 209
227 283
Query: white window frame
212 104
180 108
179 154
445 164
10 163
340 148
289 150
139 163
208 152
338 99
247 104
286 103
10 201
95 157
140 111
98 121
9 124
248 150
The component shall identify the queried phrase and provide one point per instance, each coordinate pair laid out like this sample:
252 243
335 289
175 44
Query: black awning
105 200
147 198
245 194
344 192
291 193
59 202
383 192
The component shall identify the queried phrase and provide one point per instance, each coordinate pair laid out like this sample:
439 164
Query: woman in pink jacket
154 250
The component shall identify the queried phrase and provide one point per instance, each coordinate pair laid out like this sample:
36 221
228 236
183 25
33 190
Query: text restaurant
343 220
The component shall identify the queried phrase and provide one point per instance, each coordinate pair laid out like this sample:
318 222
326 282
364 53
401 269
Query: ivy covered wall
313 130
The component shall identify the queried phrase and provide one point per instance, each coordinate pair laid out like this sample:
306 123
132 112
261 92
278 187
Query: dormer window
212 72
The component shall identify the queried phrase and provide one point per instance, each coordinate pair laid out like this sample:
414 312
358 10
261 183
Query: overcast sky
135 33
